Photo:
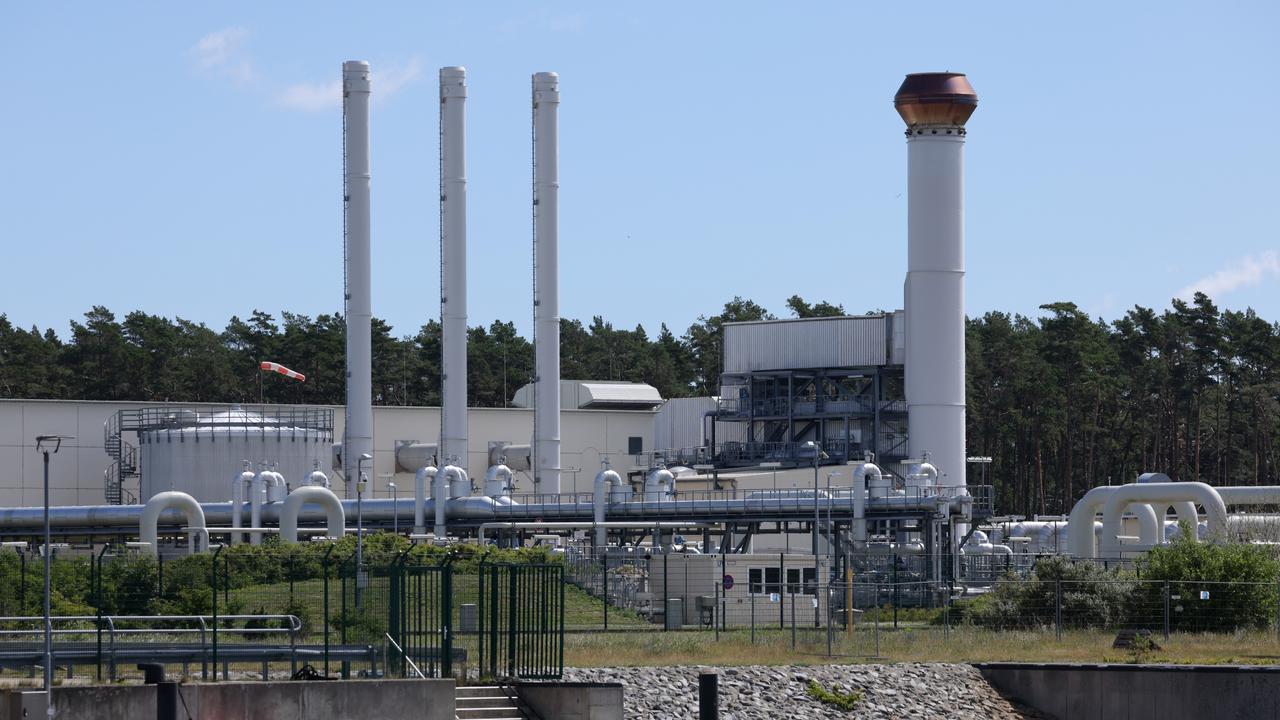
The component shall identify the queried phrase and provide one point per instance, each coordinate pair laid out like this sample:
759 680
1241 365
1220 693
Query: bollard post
708 696
166 690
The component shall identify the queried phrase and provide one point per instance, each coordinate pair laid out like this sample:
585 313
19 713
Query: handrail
203 630
403 654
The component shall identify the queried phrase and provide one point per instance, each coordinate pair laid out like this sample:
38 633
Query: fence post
213 581
605 585
666 594
790 597
1166 611
324 573
1057 607
1278 610
782 584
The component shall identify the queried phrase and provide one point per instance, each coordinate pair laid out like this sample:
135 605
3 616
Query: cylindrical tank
196 450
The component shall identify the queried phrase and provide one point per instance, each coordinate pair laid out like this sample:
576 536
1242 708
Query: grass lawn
581 609
931 644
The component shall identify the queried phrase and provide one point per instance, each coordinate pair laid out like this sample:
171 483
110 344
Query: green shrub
1240 580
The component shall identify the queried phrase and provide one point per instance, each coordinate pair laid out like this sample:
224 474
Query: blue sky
185 160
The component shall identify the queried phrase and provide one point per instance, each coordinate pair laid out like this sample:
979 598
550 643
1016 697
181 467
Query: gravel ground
767 692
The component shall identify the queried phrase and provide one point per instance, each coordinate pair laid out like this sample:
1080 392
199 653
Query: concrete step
482 690
480 701
507 713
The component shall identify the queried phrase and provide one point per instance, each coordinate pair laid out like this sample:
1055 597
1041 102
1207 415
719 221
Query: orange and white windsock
278 368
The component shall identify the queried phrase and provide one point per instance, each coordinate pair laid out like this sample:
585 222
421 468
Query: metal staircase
124 456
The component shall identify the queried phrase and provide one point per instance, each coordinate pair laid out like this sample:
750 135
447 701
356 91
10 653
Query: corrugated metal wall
680 423
808 343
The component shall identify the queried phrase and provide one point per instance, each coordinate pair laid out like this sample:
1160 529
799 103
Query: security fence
812 597
255 611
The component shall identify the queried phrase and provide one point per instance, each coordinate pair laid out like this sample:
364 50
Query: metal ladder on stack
488 702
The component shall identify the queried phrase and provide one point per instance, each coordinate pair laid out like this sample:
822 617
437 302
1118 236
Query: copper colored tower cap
935 99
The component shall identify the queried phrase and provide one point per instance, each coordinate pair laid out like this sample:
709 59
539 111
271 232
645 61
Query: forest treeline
1061 403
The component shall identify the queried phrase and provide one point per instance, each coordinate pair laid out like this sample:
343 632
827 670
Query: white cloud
312 97
223 51
316 97
1245 272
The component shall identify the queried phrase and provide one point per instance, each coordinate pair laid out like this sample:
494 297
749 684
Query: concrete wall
573 701
321 700
1140 692
76 472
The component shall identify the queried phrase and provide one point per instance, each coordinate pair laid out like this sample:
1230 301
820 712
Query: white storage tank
199 451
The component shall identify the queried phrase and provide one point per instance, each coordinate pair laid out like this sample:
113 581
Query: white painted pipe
865 475
546 283
606 480
245 478
149 525
497 481
1250 495
459 483
440 497
317 477
453 264
923 474
420 480
1081 523
357 434
257 496
657 485
277 487
1123 496
334 515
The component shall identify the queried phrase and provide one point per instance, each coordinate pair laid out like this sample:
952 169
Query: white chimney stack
358 430
546 283
935 107
453 267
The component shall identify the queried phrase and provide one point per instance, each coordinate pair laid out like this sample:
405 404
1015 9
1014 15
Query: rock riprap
766 692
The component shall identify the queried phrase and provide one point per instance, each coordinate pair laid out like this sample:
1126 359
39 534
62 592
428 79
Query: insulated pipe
321 496
453 263
1123 496
149 525
317 477
237 501
357 432
458 482
935 107
1250 495
277 487
657 485
606 480
257 495
1081 537
546 283
1185 510
440 496
865 475
420 480
497 481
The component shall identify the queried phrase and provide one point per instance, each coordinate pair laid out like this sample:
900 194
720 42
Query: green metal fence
270 611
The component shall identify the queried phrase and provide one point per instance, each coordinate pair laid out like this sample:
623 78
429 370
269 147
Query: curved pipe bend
149 526
1196 492
322 496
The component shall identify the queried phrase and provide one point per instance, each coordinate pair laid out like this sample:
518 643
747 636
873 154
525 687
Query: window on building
773 580
793 581
810 581
756 581
635 445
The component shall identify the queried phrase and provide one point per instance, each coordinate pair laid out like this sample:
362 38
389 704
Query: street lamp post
43 444
360 484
